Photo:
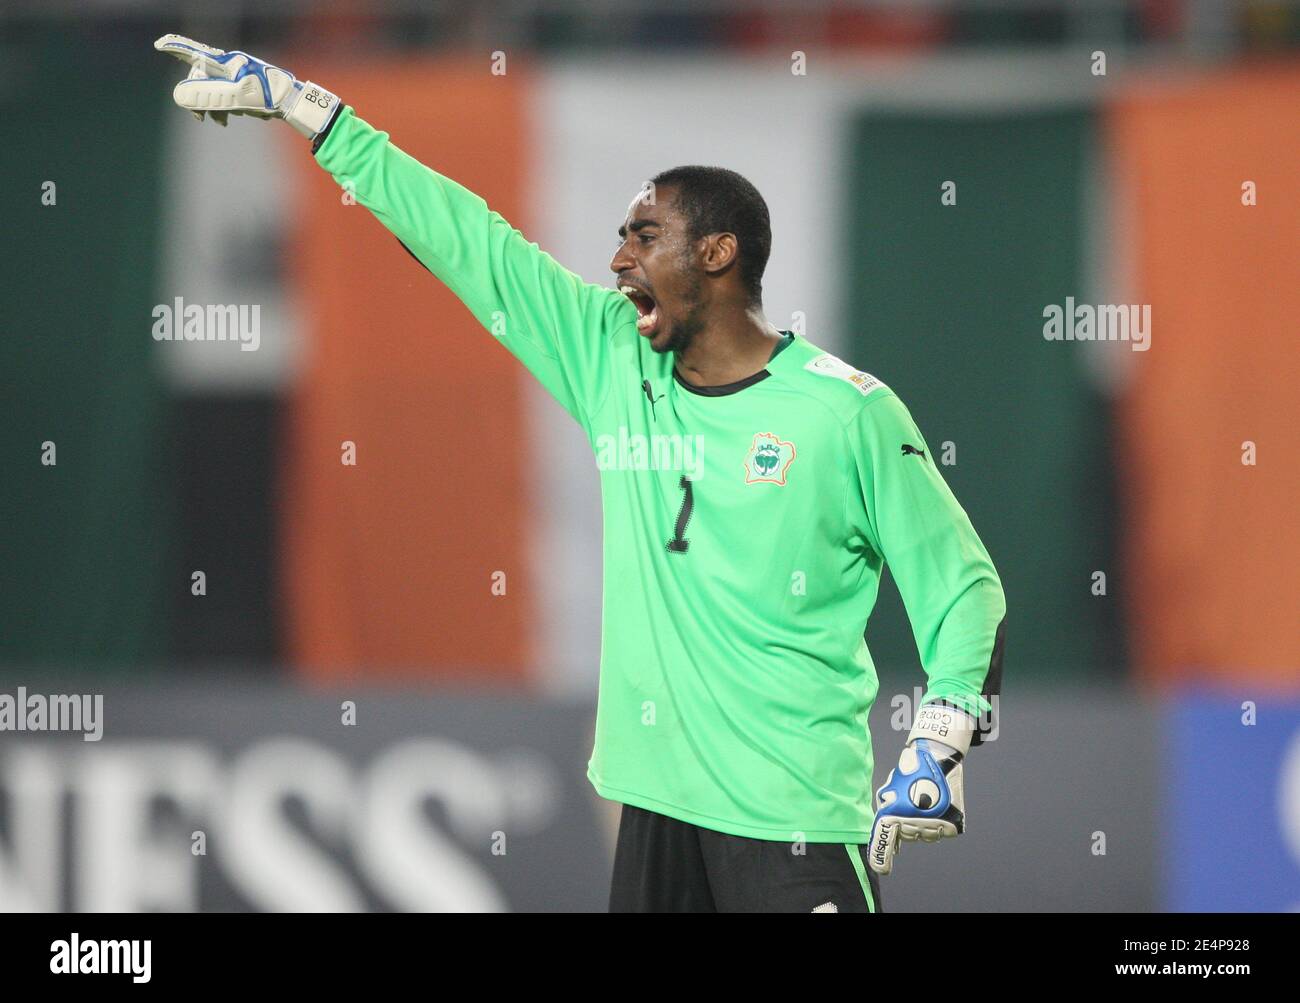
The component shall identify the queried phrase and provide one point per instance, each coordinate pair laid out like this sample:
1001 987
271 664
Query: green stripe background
945 305
86 541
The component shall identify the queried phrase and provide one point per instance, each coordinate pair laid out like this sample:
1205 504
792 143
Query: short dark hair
716 200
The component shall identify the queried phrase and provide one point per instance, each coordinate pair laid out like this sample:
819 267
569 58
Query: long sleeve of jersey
949 586
556 324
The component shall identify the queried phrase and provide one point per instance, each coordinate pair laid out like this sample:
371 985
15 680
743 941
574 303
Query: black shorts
664 865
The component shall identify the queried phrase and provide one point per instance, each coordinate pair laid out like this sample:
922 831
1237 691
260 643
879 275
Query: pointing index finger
186 49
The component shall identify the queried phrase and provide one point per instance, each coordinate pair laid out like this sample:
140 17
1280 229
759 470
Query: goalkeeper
735 680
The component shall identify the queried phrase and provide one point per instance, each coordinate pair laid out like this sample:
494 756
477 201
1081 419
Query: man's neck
729 350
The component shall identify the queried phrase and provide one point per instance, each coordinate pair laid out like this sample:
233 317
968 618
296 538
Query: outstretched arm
557 325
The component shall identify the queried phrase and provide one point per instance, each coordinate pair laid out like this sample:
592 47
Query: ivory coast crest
768 459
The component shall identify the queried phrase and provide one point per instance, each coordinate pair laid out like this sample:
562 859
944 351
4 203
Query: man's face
656 268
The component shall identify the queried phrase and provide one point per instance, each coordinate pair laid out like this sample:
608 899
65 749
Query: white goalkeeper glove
922 796
234 83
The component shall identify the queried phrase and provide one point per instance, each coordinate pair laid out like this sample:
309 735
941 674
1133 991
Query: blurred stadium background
1149 752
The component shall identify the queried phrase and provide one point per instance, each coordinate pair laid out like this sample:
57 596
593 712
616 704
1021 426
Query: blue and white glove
922 796
234 83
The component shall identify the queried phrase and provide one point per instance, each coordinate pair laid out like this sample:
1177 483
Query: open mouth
645 306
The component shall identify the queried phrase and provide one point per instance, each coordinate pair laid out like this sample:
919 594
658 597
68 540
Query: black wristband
320 136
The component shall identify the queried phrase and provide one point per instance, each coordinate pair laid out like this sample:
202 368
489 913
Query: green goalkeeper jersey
745 532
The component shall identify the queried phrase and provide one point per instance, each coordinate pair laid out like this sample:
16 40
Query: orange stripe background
1212 544
387 565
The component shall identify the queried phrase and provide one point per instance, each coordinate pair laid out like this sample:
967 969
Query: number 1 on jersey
679 543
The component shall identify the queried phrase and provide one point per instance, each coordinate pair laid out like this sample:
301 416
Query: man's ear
719 253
